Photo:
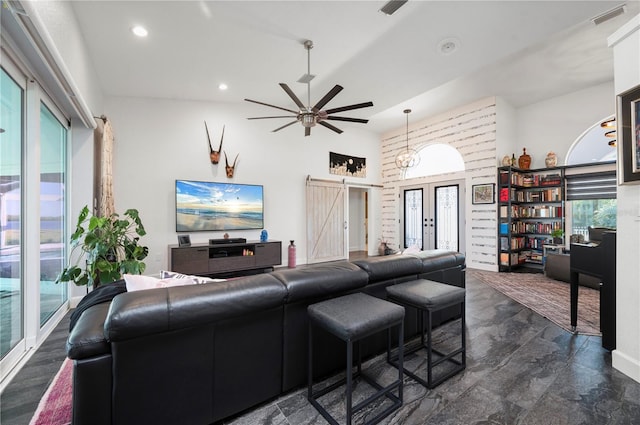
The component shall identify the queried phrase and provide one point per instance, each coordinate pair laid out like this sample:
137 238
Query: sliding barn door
326 224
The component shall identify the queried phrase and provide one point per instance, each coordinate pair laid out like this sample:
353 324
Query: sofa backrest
141 313
321 280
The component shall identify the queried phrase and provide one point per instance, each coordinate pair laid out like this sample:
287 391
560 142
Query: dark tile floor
521 369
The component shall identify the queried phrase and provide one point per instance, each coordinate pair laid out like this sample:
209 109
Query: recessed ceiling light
448 46
140 31
222 86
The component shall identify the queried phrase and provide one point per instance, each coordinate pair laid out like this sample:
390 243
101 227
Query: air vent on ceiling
391 6
609 14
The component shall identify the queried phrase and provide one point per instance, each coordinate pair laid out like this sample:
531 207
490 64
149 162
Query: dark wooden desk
598 261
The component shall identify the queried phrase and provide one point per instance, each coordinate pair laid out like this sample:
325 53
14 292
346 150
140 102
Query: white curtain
103 203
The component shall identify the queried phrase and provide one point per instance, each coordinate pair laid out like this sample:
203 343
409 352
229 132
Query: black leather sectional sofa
199 354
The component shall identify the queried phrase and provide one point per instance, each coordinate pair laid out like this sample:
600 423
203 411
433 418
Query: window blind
591 186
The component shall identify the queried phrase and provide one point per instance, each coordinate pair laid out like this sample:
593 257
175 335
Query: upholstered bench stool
352 318
427 297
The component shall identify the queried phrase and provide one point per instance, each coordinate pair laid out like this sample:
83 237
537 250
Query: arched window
591 196
435 159
593 146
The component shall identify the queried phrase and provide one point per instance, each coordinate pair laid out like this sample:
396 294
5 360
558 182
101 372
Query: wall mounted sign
346 165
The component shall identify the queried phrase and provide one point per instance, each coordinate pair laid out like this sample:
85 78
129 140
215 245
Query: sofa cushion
321 279
390 266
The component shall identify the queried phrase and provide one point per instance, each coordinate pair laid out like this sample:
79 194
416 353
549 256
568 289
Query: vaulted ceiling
429 55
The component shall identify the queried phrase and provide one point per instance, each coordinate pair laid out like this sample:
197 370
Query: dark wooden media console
225 258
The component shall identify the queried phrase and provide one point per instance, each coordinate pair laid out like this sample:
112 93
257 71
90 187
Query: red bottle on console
292 255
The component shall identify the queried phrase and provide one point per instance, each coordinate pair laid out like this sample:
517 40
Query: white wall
626 356
63 28
63 31
471 130
159 141
554 124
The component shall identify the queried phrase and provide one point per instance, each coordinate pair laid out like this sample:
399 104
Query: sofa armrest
87 339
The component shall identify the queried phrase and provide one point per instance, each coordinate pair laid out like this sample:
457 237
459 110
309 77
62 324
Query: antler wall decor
230 168
214 155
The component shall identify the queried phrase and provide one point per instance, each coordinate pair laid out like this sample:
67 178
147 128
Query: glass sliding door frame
35 104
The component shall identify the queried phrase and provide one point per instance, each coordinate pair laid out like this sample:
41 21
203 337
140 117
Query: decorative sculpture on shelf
214 156
551 160
524 161
230 168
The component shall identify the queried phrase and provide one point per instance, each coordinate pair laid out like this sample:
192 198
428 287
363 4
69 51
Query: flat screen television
209 206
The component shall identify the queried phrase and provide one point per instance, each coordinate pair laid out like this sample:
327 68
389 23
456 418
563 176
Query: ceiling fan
309 115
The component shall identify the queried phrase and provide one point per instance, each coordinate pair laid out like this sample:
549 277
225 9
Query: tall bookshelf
530 207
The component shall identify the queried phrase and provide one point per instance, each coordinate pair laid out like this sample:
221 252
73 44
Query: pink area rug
547 297
55 406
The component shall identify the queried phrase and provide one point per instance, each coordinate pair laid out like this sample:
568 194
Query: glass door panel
53 139
11 285
413 215
446 217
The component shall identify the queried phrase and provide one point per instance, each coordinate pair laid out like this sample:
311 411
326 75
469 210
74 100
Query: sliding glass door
33 164
53 140
11 284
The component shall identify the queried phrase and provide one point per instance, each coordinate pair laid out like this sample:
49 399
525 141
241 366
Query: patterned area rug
547 297
55 406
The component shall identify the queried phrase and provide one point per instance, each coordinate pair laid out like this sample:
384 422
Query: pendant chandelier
610 123
407 157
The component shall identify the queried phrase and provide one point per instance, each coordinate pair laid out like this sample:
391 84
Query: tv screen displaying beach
209 206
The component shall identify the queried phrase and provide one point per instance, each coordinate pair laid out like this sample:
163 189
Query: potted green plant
110 247
557 235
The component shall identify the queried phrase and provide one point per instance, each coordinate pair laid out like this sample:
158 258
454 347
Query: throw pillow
164 274
413 249
136 282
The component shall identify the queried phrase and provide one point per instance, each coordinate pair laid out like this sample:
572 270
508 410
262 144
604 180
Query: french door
433 216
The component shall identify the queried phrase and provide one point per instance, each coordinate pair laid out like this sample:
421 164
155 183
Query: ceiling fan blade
307 131
292 95
285 126
272 106
360 120
327 97
349 108
264 118
330 127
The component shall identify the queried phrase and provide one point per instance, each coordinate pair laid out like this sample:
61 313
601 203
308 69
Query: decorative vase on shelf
506 161
524 161
551 160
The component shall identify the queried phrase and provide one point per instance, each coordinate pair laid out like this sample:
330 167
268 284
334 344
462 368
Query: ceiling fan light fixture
309 115
308 119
